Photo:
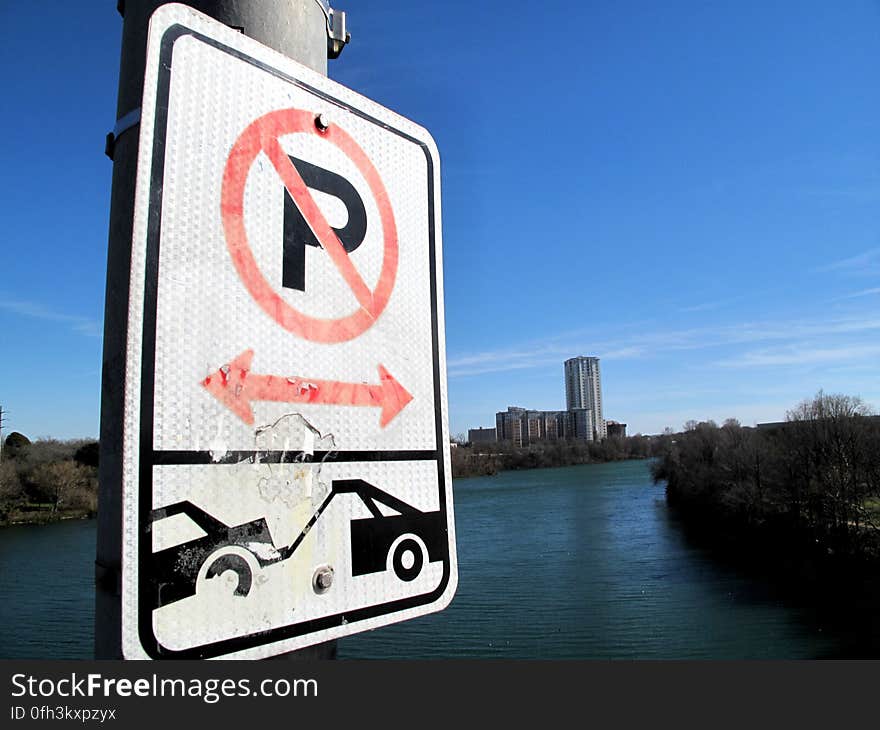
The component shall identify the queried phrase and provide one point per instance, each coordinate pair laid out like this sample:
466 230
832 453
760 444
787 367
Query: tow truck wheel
224 560
407 558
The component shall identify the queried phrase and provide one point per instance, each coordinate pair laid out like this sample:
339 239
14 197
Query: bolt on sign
287 474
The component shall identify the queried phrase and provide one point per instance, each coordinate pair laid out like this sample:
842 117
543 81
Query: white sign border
169 23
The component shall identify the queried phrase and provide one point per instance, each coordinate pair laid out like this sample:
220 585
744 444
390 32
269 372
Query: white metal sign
287 477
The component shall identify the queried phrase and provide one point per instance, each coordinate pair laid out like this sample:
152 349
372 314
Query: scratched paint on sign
236 386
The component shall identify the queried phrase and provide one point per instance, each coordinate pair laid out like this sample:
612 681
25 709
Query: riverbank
40 516
475 460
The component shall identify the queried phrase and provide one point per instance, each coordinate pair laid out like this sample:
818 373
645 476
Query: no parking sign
287 477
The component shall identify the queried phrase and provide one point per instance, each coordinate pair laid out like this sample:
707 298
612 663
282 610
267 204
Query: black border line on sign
149 457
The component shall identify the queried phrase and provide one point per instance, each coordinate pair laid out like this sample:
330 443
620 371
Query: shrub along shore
47 480
817 474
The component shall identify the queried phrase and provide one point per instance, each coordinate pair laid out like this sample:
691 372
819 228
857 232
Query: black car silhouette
405 541
372 538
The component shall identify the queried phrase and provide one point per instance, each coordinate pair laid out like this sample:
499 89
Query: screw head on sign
322 121
322 579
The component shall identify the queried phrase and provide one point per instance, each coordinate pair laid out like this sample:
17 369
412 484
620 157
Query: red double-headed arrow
236 387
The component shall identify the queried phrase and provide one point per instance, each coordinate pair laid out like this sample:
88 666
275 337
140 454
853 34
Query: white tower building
583 390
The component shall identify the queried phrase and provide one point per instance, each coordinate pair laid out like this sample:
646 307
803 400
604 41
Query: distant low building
523 427
774 426
613 428
481 435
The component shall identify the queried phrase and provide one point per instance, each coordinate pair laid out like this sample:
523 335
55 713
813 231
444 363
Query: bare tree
63 483
12 494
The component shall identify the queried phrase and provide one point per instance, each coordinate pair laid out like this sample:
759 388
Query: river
579 562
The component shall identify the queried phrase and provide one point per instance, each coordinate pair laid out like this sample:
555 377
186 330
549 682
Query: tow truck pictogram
401 542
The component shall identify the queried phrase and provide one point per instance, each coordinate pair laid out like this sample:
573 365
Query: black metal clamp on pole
309 31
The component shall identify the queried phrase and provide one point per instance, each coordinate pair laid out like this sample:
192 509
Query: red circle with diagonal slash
262 135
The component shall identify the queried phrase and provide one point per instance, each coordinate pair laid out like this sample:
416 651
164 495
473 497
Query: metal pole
299 30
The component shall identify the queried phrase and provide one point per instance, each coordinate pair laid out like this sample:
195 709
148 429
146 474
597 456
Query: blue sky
687 190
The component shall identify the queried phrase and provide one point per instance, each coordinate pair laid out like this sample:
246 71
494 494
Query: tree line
814 478
47 479
484 459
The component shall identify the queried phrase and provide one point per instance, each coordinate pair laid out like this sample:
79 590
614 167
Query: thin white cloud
858 294
623 353
708 306
792 333
854 264
843 354
81 325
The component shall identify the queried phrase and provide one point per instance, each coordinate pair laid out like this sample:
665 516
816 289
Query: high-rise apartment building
583 390
523 427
